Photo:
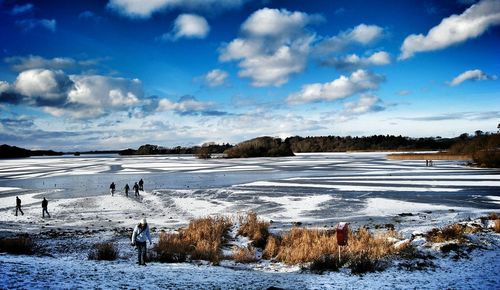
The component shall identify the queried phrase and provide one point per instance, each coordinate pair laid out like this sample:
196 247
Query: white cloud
353 61
144 9
22 63
43 86
268 22
358 81
365 104
21 9
362 34
188 26
4 86
476 75
274 45
104 91
29 24
186 104
215 78
454 29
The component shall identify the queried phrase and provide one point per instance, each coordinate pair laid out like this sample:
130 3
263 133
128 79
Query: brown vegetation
20 245
255 229
244 254
454 232
103 251
429 156
201 240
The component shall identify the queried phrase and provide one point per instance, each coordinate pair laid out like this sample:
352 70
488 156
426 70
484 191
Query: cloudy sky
82 75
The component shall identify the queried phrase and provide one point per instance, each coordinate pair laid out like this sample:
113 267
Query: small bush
21 245
103 251
272 247
328 262
244 254
171 248
497 226
206 237
448 233
363 262
255 229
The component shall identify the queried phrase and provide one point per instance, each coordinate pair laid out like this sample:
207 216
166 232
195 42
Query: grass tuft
255 229
454 232
201 240
244 254
103 252
20 245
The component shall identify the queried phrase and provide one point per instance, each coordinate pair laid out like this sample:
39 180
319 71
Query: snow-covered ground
313 189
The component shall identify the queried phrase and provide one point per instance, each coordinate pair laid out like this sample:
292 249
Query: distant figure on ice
127 188
136 189
112 188
18 205
141 184
140 236
45 203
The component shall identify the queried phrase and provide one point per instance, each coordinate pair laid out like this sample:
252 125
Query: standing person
136 189
18 205
127 188
45 203
141 184
140 236
112 188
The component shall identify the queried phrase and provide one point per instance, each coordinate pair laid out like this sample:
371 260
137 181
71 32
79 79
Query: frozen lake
314 189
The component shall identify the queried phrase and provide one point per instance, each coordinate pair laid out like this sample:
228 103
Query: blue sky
85 75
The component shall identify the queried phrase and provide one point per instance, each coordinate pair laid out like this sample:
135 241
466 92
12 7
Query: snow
315 189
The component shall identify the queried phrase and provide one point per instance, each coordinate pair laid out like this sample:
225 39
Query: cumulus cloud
353 61
474 75
344 86
362 34
273 46
365 104
76 96
215 78
144 9
189 105
22 9
29 24
454 29
188 26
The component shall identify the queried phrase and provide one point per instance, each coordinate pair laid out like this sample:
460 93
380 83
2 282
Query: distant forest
478 143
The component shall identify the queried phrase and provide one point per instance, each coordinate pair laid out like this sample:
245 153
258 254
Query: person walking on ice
112 188
127 188
136 189
141 184
45 203
140 236
18 205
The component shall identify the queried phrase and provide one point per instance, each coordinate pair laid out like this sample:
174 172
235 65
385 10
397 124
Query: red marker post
342 233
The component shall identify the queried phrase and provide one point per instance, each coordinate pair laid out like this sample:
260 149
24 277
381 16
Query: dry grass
201 240
255 229
171 248
496 228
364 252
21 245
454 232
301 245
244 254
429 156
103 251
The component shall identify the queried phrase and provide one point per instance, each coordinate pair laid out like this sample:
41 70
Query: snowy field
316 190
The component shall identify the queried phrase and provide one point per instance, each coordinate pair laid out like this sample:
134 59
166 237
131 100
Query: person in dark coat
141 184
112 188
18 205
45 203
136 189
127 188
